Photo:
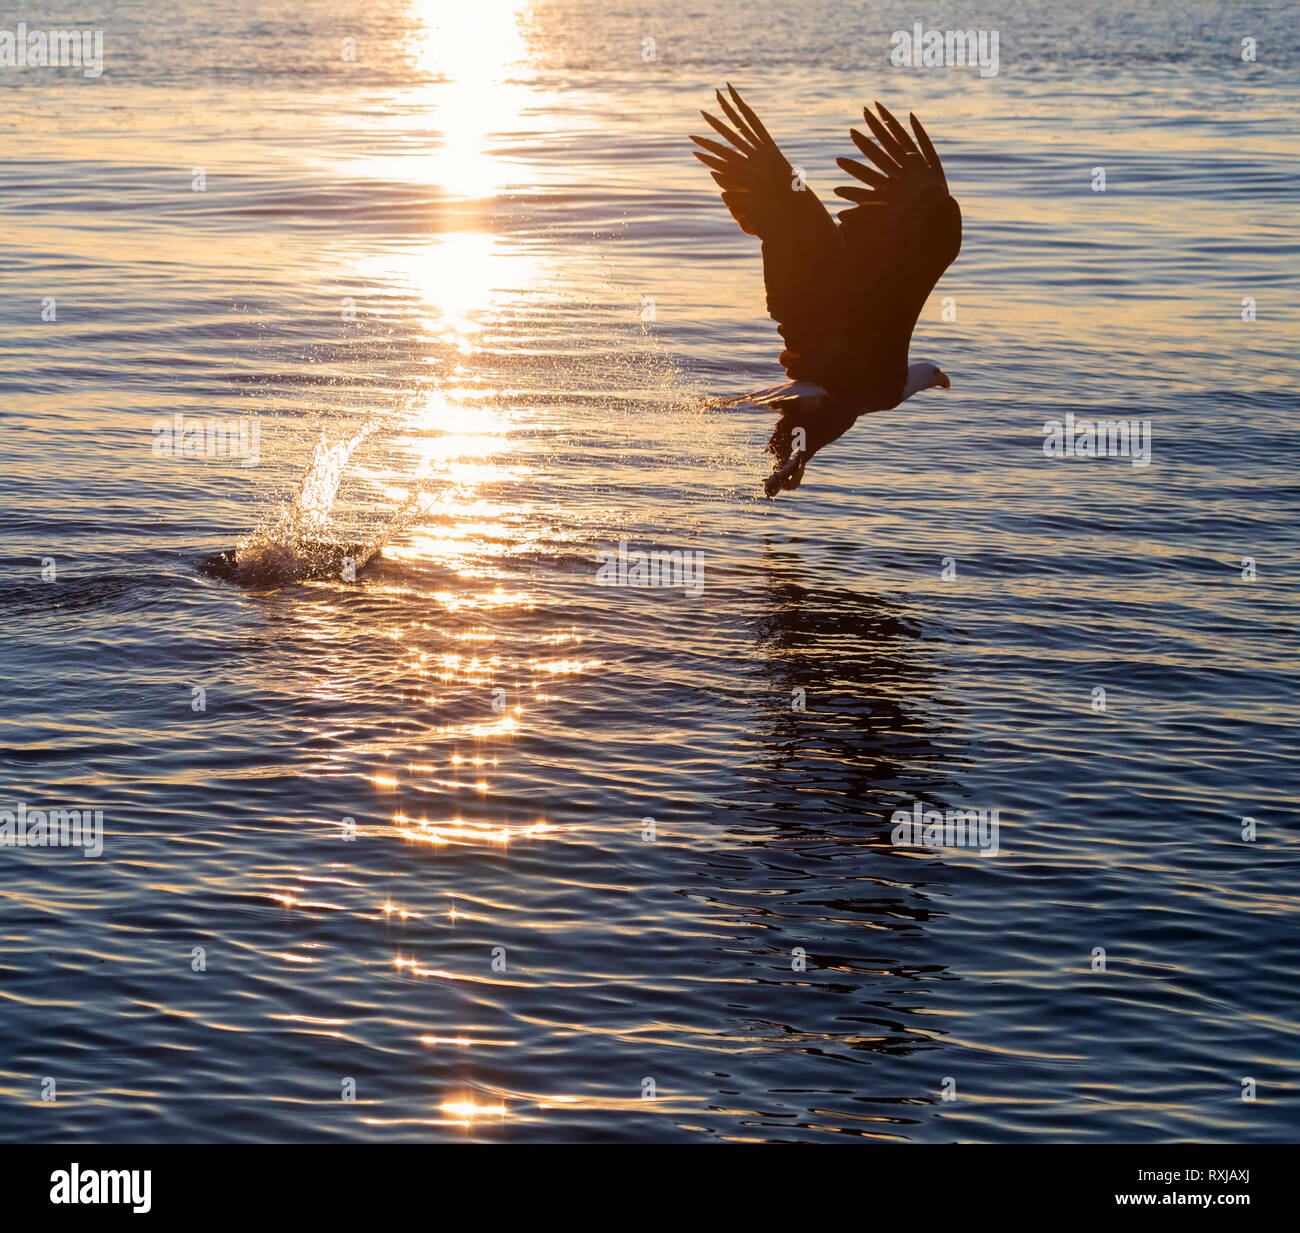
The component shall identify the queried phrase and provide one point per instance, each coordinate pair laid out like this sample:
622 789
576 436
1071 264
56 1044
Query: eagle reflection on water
854 726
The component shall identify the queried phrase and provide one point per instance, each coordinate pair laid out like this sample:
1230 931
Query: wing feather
927 150
864 173
874 153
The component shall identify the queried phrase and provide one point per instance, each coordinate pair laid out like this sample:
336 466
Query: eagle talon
780 479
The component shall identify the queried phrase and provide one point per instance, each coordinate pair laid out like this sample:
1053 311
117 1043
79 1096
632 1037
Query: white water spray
301 542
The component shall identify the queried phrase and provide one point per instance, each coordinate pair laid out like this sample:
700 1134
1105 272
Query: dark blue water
403 822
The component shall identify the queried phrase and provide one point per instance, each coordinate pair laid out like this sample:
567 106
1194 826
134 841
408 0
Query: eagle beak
941 378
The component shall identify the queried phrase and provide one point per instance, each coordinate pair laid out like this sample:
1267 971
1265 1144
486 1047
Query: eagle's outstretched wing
902 233
846 292
803 249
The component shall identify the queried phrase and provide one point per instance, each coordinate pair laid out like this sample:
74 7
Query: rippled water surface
405 818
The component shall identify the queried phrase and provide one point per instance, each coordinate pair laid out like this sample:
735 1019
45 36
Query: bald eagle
845 291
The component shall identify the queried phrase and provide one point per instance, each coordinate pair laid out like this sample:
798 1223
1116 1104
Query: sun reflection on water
466 1111
463 277
470 50
471 291
459 831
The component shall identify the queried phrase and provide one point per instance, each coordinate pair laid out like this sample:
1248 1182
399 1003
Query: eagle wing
803 248
846 292
902 232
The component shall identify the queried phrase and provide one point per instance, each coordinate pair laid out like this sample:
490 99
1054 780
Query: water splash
301 542
312 511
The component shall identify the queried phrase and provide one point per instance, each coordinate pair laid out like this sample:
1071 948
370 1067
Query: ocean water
387 839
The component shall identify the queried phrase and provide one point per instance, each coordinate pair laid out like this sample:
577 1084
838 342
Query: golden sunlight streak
459 832
457 274
471 48
465 1042
466 1111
